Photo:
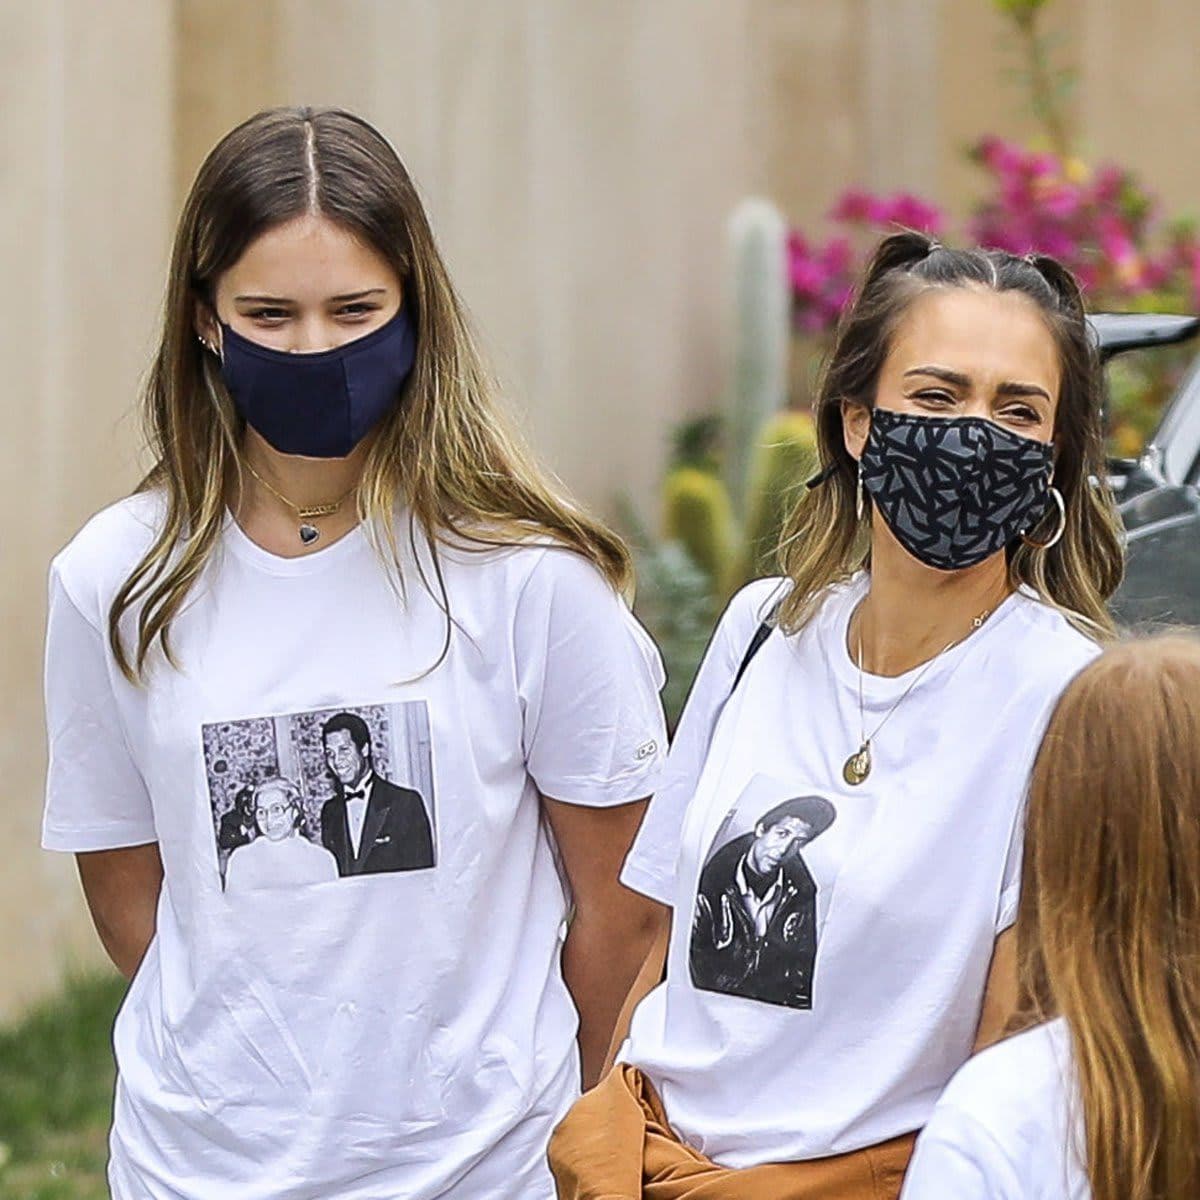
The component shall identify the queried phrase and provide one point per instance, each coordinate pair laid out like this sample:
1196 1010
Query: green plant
724 498
56 1086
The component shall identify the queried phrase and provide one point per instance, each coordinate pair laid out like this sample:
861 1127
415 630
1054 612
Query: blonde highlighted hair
824 541
1109 924
445 453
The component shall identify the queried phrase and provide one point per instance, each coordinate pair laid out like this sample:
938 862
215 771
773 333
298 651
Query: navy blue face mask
319 405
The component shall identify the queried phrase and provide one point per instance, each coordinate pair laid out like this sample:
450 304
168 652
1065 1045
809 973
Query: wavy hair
823 540
1108 929
444 453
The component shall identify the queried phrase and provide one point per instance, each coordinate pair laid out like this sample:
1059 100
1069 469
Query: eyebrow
1009 388
342 299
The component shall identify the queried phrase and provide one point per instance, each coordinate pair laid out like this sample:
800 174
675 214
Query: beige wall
85 194
578 158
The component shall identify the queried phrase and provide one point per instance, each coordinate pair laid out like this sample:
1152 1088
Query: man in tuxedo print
755 930
371 825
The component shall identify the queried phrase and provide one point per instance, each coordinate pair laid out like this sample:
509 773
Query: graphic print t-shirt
323 1014
1007 1128
831 942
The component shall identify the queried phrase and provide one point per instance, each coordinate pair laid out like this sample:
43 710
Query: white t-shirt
1007 1127
835 1023
402 1029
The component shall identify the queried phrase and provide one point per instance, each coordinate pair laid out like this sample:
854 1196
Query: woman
946 577
281 855
339 524
1099 1098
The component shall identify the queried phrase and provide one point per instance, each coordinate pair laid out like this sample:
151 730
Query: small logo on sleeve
646 749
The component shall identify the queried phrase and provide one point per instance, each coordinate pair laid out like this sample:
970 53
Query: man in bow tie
371 825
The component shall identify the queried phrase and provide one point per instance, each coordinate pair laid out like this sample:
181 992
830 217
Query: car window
1141 386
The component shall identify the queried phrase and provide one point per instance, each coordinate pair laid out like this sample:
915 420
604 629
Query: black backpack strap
756 643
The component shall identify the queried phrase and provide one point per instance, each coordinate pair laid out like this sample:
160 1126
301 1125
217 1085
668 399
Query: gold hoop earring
1061 528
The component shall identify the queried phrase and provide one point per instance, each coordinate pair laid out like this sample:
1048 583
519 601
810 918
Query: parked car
1158 493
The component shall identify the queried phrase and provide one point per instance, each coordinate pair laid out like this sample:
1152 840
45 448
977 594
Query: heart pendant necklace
306 514
858 766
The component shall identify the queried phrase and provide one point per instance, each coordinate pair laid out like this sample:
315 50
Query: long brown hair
446 453
824 541
1108 930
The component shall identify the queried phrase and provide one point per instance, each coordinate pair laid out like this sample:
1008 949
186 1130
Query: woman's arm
122 887
613 928
649 976
1000 994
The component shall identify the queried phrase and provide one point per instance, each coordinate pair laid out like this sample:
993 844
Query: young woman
946 577
1099 1098
344 571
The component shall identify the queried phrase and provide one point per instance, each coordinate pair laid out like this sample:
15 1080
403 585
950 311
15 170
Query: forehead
788 825
307 259
339 737
991 336
269 795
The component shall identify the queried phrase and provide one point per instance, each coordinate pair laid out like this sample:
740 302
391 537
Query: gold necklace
305 513
858 766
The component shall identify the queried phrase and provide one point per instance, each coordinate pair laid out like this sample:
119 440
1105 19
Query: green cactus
698 515
786 459
761 304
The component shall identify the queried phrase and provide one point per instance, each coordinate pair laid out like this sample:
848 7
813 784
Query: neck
912 612
304 481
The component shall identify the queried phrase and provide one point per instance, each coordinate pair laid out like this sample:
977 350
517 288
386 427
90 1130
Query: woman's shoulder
754 604
97 560
515 563
1034 1060
1008 1113
1022 1083
1051 646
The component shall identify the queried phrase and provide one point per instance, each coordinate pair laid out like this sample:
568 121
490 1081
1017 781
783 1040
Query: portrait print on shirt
307 797
755 929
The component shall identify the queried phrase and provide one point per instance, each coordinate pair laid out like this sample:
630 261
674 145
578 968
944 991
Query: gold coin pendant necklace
306 514
858 766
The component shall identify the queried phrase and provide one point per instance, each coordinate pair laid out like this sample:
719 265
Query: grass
56 1081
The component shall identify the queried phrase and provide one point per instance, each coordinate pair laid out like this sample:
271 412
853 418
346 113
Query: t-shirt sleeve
650 865
956 1156
1082 653
588 680
96 799
1010 887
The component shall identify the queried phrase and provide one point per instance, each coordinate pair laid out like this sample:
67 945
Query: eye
1023 414
938 396
268 316
358 310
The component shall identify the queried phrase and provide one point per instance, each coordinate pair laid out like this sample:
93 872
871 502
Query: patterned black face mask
954 490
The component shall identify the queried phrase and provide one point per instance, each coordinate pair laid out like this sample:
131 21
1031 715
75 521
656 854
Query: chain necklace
305 513
858 766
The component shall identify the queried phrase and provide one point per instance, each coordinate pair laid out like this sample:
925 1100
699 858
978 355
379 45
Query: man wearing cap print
755 929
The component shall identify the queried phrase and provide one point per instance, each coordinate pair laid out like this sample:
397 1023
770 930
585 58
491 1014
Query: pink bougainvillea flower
913 213
838 255
1059 200
853 205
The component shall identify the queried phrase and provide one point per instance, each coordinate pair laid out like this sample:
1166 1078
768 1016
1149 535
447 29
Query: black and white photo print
755 931
312 796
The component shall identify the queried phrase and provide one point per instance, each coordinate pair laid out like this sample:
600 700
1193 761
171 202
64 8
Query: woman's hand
612 930
122 887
